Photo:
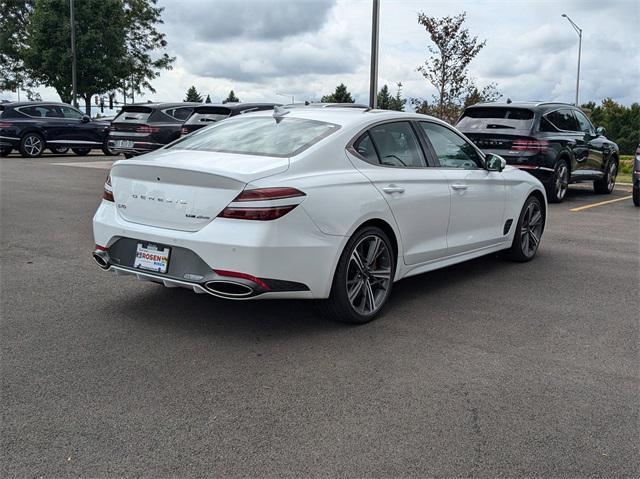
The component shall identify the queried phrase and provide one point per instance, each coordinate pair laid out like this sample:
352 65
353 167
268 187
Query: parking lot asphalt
484 369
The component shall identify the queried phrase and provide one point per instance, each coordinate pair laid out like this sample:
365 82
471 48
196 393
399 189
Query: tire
364 299
32 145
60 150
636 193
106 150
525 245
81 151
607 183
557 187
127 155
5 151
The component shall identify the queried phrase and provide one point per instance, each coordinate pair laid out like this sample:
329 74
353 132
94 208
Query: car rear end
203 116
140 129
229 224
636 178
9 131
509 131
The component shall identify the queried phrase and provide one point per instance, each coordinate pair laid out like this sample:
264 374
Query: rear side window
496 118
40 111
181 113
563 120
451 149
364 147
397 145
258 136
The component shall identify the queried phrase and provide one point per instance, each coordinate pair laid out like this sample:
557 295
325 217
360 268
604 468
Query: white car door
392 157
477 195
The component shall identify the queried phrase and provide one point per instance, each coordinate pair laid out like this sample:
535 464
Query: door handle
390 189
459 186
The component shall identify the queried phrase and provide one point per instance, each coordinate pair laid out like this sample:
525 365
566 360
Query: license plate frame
123 144
152 257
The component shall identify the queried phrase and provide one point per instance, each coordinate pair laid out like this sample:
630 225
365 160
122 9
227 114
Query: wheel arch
387 228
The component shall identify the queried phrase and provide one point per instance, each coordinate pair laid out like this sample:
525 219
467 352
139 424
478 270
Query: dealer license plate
152 257
124 144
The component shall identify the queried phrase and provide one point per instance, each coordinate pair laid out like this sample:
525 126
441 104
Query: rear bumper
138 148
543 173
289 255
7 141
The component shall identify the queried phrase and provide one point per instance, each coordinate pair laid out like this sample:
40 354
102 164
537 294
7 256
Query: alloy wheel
33 145
562 181
369 274
611 175
531 229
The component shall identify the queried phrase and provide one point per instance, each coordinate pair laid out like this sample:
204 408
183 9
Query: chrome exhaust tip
228 289
101 258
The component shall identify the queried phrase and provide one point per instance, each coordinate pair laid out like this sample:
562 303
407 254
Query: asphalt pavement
484 369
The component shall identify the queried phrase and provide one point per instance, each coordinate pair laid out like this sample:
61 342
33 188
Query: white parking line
102 165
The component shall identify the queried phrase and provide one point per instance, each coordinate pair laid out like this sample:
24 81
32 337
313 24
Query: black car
204 115
555 142
144 127
31 127
636 178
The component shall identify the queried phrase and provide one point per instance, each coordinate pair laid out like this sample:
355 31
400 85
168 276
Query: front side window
563 120
397 145
583 122
451 149
69 112
258 136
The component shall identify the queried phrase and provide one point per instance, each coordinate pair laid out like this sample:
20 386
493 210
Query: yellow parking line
593 205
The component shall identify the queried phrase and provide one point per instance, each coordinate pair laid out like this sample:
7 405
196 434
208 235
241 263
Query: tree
447 67
341 95
117 45
384 98
232 98
193 95
208 100
397 102
622 124
488 93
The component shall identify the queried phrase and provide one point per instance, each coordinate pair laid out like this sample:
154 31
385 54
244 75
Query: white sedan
325 203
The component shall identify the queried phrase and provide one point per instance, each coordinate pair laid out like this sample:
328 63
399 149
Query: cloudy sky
304 48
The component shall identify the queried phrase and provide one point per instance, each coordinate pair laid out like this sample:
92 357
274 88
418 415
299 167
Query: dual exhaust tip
218 287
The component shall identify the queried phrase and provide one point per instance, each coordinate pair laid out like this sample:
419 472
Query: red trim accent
235 274
527 167
101 248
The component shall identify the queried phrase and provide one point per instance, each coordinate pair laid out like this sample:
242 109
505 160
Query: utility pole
373 80
579 32
74 84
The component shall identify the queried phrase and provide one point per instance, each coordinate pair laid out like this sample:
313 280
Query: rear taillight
108 190
184 131
262 213
529 145
147 129
5 124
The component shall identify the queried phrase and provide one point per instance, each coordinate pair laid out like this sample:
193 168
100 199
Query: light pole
373 80
579 32
74 85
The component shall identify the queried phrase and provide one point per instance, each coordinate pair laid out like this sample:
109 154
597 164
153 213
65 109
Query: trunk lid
185 190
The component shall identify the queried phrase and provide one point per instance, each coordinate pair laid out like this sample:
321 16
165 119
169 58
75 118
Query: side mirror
494 162
85 119
600 131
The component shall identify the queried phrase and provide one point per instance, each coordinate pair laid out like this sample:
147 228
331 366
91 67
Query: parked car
31 127
555 142
204 115
144 127
324 203
636 178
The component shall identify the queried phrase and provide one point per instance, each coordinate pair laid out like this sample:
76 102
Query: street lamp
579 32
74 84
373 79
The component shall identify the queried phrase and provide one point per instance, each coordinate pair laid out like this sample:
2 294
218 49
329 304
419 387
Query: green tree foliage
232 98
117 45
193 95
622 124
208 100
446 69
341 95
388 102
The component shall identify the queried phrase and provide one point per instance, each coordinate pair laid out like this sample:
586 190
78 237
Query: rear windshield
133 114
208 114
258 136
496 118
